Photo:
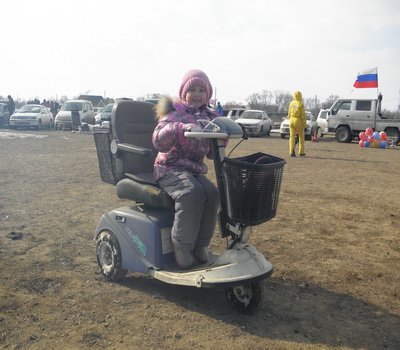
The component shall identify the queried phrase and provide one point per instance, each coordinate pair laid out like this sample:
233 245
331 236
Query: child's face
196 96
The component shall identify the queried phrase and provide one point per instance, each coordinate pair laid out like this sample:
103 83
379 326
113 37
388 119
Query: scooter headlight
246 232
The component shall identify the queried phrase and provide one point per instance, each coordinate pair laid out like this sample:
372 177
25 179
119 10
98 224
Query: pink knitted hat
195 77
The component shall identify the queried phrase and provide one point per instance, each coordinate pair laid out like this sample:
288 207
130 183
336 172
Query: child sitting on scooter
180 170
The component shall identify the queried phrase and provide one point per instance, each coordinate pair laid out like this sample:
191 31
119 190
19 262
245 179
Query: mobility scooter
138 237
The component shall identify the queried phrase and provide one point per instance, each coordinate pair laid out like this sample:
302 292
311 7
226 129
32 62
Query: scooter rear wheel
109 257
245 298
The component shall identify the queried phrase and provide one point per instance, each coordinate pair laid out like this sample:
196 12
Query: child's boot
201 254
183 258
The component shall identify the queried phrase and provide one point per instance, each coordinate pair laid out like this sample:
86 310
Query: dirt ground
334 244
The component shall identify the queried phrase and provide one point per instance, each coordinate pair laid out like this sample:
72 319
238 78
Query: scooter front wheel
109 257
245 298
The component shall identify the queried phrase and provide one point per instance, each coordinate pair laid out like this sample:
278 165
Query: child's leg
210 211
189 198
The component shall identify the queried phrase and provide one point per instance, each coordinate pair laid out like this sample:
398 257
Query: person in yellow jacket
297 123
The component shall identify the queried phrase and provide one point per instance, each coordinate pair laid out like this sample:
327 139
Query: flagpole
377 82
377 99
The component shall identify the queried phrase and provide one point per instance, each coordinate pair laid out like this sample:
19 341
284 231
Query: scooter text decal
139 244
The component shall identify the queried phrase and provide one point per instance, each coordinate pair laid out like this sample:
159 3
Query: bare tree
252 100
266 97
63 98
282 100
233 104
329 101
312 104
261 101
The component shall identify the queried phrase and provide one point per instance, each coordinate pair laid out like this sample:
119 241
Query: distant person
11 105
219 109
297 124
52 108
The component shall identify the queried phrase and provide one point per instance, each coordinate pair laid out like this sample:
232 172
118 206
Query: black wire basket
102 139
253 184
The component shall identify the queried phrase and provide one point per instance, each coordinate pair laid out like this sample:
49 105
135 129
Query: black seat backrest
133 122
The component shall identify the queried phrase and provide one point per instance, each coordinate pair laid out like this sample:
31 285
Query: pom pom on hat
195 77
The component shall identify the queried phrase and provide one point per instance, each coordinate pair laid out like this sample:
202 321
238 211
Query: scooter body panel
144 236
145 241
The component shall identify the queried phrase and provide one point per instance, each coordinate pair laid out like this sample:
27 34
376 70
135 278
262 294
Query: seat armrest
135 149
126 147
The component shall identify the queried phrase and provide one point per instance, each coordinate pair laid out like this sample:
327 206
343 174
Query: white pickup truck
346 118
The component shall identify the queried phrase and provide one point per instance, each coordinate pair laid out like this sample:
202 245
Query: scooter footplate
235 266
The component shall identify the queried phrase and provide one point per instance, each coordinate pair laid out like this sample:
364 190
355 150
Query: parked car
4 114
105 114
309 131
322 122
235 113
255 122
32 115
82 110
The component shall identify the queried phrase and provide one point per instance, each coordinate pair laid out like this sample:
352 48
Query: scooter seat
130 165
141 188
144 178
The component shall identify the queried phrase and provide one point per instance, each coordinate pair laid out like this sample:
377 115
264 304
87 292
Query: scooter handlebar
218 128
206 135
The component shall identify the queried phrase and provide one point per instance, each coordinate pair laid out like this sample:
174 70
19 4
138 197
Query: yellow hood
297 96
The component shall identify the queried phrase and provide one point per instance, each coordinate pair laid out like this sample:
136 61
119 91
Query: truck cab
352 115
346 118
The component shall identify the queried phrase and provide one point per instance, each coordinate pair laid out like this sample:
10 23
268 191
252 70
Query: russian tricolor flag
367 79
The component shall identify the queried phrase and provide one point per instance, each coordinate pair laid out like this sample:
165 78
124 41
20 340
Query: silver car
309 131
32 115
255 122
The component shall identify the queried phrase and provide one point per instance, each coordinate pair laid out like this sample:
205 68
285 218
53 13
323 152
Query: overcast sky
131 48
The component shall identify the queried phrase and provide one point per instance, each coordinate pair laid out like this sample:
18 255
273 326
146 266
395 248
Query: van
73 113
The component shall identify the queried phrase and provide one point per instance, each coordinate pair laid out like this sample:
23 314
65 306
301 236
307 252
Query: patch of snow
13 135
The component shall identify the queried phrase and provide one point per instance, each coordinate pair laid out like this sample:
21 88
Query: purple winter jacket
175 151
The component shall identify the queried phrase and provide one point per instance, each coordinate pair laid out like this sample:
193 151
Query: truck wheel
393 133
283 136
109 256
343 134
